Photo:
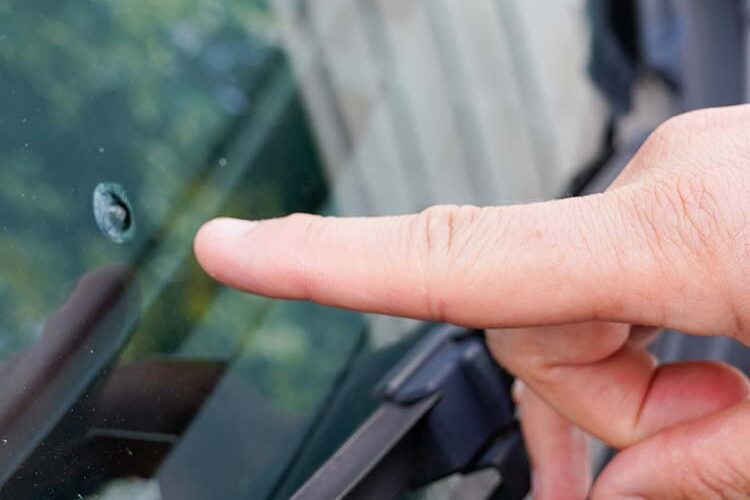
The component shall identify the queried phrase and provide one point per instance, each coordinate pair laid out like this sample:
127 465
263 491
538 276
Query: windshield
124 124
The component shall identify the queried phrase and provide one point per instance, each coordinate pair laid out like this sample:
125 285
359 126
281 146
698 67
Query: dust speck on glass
113 212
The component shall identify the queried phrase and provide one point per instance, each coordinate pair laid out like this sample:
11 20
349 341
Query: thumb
707 458
557 262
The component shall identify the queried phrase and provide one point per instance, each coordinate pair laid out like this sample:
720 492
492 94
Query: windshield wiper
446 409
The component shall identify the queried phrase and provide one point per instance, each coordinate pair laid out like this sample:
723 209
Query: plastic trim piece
445 409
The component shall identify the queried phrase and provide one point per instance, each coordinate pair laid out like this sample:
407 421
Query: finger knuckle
671 128
697 220
311 229
542 374
678 126
673 138
441 233
666 135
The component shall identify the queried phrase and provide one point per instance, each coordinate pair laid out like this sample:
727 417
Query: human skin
570 292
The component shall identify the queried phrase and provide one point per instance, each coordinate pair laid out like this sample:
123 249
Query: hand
666 246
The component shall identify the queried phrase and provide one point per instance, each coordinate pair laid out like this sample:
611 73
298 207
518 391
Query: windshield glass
124 124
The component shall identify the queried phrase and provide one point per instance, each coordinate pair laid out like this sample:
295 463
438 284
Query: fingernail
222 232
517 390
534 486
232 227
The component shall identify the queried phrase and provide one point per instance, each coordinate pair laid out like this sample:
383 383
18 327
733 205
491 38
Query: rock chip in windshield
113 212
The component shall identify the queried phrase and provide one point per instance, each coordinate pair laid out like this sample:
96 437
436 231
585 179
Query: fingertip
558 450
737 386
703 458
685 391
216 242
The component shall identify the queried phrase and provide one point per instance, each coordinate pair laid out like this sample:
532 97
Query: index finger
546 263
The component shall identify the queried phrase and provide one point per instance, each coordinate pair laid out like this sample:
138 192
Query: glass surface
124 124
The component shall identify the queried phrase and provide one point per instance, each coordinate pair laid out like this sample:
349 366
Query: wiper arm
447 409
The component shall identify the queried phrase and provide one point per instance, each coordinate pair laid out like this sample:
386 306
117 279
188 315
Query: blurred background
181 110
